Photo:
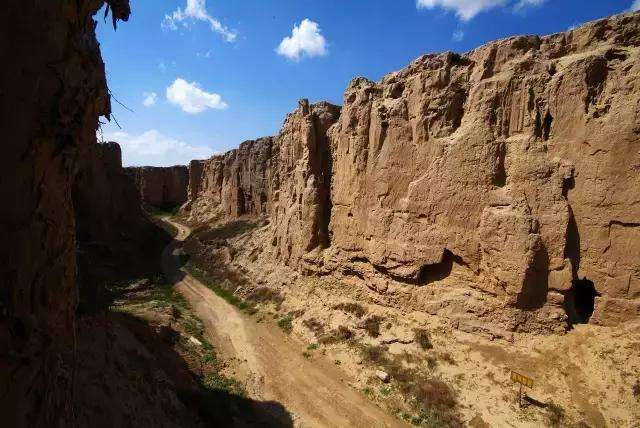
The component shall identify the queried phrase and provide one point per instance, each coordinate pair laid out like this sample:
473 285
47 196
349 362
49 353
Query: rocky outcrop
53 91
509 174
238 183
162 187
285 178
517 160
301 206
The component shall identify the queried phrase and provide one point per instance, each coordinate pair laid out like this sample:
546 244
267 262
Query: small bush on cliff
555 414
314 325
355 308
375 354
423 338
341 334
265 294
285 323
372 325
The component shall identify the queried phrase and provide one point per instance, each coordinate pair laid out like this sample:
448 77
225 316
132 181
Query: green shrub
375 354
423 338
355 308
341 334
285 323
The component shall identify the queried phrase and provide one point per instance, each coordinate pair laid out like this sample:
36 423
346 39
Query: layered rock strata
162 187
500 185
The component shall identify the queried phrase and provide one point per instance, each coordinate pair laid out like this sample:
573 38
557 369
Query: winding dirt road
315 392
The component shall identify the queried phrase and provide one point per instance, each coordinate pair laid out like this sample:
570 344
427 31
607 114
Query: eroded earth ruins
469 215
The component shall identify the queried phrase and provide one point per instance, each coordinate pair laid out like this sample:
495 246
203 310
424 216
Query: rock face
161 186
114 237
511 171
53 91
234 184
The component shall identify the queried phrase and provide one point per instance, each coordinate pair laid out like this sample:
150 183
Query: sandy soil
315 391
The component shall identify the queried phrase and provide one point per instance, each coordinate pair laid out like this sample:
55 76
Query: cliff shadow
439 271
148 365
579 301
535 286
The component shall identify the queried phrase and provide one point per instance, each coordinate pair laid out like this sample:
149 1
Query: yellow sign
522 379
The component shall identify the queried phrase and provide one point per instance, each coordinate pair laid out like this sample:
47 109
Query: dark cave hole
546 126
241 202
439 271
580 301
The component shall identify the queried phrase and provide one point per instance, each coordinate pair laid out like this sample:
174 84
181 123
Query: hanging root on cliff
120 11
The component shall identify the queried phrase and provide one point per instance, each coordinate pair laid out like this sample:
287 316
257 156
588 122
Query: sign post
522 380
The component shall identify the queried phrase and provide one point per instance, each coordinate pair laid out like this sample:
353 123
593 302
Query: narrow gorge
468 217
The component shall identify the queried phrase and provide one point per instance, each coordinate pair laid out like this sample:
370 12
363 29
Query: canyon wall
115 238
161 187
54 90
500 185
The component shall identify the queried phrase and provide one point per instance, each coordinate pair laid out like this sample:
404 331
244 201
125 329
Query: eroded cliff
54 90
161 187
115 238
498 188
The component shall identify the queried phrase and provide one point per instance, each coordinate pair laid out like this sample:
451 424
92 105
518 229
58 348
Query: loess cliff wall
500 185
161 187
54 90
115 238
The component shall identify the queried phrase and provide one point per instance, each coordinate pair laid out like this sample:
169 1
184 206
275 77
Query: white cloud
464 9
149 99
192 99
305 40
151 148
457 36
635 6
523 4
196 10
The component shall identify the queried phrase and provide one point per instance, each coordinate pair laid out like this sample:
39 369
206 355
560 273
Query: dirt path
316 392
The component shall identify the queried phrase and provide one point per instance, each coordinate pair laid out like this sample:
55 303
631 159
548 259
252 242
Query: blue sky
201 76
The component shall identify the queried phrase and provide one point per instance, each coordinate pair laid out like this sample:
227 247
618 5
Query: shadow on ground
132 374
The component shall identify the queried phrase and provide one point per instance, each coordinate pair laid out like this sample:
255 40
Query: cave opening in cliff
580 301
536 282
439 271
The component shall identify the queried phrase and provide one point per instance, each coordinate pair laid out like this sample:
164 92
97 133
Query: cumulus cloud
305 40
468 9
196 10
458 36
149 99
152 148
192 99
521 5
635 6
464 9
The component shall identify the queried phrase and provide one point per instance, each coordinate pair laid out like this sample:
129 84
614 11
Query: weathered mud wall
161 186
518 161
53 91
238 183
115 238
512 170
